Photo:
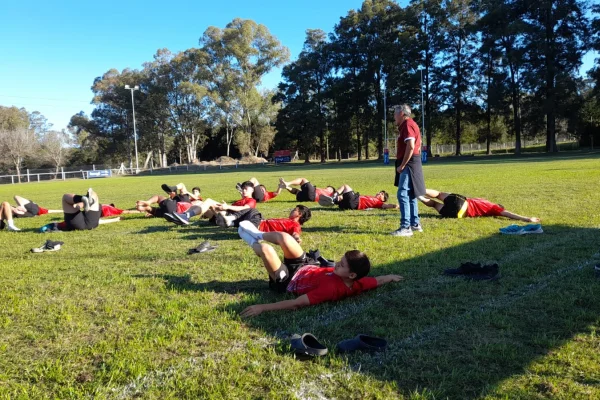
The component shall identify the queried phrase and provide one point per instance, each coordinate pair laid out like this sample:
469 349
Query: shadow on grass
450 337
185 283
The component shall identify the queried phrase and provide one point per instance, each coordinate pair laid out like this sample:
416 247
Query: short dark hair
247 184
305 213
196 188
385 195
358 262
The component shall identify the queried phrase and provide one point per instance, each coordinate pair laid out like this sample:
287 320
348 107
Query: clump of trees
490 69
201 97
27 139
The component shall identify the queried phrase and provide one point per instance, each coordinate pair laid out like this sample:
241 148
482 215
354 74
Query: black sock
77 198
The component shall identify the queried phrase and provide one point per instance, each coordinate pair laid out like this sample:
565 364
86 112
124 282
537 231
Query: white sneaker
416 228
13 228
404 232
326 201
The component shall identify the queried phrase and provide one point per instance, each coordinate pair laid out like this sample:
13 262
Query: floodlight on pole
136 87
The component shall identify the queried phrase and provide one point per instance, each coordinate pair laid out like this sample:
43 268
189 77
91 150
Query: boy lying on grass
261 194
291 225
312 283
347 199
307 191
451 205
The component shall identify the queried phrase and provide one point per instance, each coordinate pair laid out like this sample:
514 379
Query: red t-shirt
42 211
268 196
286 225
369 202
110 211
321 284
318 192
408 129
482 208
245 201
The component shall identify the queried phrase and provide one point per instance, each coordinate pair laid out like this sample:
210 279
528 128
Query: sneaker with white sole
182 217
404 232
416 228
326 201
13 228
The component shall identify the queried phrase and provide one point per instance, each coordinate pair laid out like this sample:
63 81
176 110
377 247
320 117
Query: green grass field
123 312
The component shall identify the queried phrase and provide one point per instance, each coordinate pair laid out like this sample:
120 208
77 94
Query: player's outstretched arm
294 304
383 279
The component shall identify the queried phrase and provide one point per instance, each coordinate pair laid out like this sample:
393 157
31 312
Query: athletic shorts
307 192
259 193
453 205
349 201
81 220
292 266
32 210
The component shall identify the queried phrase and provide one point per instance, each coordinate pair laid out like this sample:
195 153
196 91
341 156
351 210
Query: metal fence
466 148
92 171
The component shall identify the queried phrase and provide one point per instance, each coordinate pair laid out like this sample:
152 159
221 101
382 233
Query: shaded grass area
123 311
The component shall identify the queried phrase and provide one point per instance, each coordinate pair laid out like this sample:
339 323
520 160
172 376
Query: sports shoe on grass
474 271
13 228
532 228
326 201
404 232
362 343
512 230
416 228
202 248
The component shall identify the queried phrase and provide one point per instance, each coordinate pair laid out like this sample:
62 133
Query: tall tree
248 51
458 59
556 41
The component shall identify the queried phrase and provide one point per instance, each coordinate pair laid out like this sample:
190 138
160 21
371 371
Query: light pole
136 87
386 151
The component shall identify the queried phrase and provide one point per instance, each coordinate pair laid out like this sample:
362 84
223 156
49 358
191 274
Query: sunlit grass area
123 311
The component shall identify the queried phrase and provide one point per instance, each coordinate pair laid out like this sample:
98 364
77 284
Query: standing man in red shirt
409 172
312 283
347 199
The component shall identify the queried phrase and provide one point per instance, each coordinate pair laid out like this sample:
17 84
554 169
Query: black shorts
259 193
349 201
81 220
452 205
182 198
292 265
307 192
32 210
167 206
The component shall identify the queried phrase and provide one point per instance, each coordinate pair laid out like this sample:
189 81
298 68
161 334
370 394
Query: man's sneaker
13 228
238 187
2 224
416 228
326 201
168 189
405 232
182 217
222 221
532 228
171 218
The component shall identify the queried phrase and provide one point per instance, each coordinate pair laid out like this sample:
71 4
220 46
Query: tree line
487 71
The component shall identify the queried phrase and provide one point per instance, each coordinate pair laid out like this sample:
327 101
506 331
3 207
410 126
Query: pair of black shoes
168 189
474 271
308 346
314 256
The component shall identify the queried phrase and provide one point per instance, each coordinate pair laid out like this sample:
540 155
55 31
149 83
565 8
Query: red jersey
268 196
110 211
245 201
369 202
321 284
182 207
286 225
42 211
408 129
482 208
318 192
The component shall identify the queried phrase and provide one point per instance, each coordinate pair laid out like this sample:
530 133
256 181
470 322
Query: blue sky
51 51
